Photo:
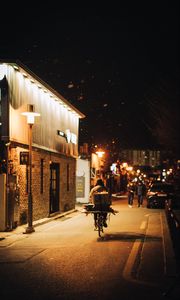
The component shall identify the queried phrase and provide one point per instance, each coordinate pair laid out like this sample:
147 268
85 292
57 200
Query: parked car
174 202
158 193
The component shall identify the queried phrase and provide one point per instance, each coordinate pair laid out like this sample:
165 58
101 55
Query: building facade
54 147
143 157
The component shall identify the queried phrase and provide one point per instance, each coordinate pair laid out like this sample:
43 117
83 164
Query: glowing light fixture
30 114
100 153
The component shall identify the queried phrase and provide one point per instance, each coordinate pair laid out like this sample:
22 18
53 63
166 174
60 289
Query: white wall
54 114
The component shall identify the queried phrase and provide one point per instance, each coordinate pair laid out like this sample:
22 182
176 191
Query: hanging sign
24 158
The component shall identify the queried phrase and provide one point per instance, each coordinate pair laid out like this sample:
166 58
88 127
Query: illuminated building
54 147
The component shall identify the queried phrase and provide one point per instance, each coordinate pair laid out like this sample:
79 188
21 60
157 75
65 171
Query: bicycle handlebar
100 211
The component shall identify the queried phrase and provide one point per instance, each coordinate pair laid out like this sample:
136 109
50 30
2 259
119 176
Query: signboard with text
80 186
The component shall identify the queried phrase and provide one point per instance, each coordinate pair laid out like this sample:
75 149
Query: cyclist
99 196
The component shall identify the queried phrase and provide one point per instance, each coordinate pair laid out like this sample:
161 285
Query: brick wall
41 200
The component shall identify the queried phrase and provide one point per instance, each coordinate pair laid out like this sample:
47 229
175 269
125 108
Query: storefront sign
68 135
80 186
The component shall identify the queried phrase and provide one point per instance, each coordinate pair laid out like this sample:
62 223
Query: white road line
163 242
127 272
131 260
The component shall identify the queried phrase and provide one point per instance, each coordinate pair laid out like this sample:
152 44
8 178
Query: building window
67 177
41 174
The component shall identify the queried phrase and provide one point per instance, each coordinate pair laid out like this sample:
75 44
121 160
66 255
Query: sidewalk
21 229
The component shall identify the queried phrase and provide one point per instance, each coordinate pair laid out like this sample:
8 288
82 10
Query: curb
20 229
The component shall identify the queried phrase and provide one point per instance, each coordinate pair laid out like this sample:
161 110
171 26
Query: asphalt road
65 258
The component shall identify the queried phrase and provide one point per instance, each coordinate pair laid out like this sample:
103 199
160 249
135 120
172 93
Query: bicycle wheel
100 225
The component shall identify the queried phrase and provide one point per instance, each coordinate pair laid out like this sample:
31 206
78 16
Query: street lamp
100 153
30 114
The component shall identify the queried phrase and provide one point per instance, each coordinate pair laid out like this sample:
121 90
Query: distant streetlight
100 153
30 114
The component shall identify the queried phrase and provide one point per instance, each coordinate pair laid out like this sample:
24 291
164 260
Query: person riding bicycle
99 196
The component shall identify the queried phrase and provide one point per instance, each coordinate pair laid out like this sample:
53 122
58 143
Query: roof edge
41 81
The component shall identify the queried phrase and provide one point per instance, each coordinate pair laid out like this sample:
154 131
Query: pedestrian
130 189
141 192
95 198
110 184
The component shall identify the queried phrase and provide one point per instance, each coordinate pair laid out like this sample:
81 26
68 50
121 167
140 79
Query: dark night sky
119 66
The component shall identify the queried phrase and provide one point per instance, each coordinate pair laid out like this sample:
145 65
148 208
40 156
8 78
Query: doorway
54 187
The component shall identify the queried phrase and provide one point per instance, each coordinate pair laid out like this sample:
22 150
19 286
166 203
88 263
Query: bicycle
100 222
99 225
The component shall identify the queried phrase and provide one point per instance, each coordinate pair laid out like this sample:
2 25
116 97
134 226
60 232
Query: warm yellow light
30 114
129 169
100 153
30 117
124 165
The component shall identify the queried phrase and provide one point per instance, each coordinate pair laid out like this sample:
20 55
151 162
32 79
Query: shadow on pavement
127 236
